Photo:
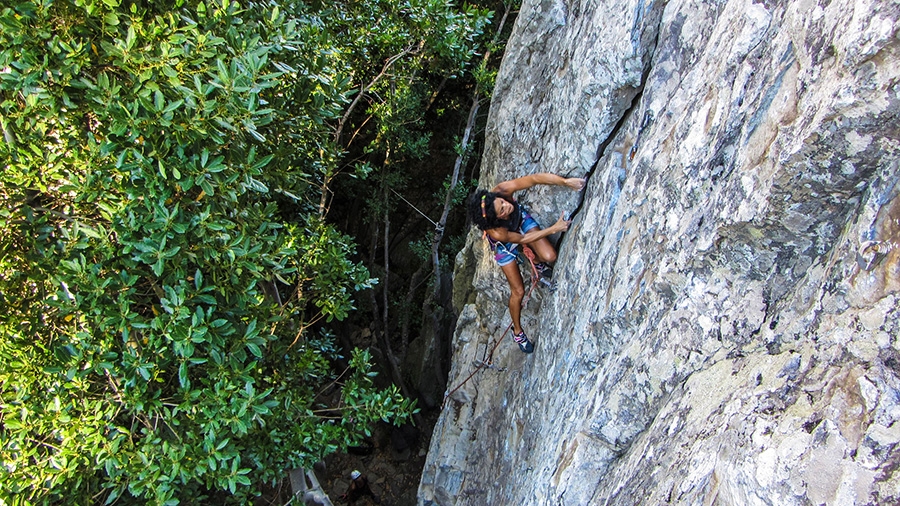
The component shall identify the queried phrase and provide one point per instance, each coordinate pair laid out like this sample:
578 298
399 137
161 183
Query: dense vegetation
168 264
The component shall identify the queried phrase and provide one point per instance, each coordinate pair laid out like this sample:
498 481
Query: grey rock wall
725 329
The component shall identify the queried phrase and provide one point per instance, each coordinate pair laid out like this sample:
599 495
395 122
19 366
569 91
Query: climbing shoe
522 340
544 270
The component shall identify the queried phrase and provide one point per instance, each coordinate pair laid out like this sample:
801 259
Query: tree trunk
387 258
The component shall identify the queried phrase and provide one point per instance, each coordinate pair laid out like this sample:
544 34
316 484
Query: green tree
155 303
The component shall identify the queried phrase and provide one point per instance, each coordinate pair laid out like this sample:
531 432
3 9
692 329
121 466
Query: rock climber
508 224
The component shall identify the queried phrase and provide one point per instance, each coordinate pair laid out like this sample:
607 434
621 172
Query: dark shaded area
393 465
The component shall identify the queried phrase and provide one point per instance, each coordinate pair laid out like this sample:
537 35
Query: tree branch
363 90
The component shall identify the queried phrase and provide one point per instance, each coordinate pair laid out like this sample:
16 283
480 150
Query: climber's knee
517 293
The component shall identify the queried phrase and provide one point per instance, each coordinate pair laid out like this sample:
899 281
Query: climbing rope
414 207
487 359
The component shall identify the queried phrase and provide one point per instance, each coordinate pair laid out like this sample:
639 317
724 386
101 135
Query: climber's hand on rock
562 224
575 183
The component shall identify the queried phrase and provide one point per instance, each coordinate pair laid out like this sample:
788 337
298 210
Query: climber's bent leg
543 250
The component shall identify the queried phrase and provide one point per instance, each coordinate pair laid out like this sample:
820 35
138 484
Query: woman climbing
507 224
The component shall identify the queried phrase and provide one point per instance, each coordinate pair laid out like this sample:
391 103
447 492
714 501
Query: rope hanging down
487 360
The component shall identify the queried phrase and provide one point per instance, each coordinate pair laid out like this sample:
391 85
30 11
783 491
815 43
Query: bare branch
363 90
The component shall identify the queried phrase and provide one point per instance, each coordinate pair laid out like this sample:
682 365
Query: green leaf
174 105
251 331
205 185
130 37
113 495
183 376
222 71
262 162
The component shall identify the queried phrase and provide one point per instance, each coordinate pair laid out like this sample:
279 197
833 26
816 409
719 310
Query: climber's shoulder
502 234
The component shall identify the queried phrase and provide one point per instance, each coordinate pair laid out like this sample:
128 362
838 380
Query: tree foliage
414 45
163 258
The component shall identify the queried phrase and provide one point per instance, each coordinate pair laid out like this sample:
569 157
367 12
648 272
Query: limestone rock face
725 329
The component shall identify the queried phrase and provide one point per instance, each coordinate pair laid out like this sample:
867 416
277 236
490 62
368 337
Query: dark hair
481 210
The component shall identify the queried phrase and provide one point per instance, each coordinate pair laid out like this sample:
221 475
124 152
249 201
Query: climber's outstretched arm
507 188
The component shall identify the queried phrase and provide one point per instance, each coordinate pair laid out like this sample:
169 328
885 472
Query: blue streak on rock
770 94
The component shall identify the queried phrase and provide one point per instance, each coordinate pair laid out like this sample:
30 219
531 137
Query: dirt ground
393 471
